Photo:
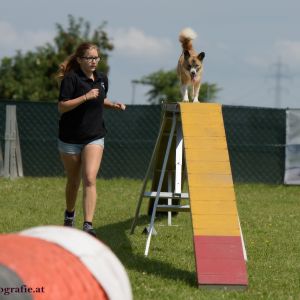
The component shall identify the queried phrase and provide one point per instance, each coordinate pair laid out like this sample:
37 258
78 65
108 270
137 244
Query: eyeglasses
91 58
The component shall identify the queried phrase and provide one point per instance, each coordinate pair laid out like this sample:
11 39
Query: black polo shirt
84 123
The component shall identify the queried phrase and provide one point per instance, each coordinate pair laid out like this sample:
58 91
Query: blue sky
244 42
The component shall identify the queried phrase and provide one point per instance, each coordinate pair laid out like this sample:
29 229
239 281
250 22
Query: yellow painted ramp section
212 197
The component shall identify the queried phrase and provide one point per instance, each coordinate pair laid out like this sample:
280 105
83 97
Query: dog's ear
201 56
186 54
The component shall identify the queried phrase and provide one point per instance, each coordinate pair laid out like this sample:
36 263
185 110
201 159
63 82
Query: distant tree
31 76
165 87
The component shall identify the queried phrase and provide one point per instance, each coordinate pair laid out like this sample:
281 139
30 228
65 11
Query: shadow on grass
115 236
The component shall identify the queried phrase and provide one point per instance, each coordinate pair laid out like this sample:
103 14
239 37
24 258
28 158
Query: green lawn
269 214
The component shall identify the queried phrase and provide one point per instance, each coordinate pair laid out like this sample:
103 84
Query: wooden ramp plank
224 193
217 237
219 167
214 207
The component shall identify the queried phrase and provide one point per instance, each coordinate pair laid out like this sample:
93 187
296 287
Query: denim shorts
77 148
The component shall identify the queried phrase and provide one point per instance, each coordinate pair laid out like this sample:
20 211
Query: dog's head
193 64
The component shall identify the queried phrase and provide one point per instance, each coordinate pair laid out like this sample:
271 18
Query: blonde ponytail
69 64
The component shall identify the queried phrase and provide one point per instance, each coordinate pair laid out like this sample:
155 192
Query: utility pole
134 83
279 74
278 77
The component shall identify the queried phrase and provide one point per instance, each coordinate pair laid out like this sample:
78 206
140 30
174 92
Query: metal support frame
160 184
158 194
169 199
150 167
179 153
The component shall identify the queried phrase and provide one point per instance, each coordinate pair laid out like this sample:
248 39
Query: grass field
269 214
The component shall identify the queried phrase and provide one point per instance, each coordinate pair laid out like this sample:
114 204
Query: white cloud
289 51
131 42
12 39
134 42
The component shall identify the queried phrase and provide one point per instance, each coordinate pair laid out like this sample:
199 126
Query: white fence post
1 162
13 167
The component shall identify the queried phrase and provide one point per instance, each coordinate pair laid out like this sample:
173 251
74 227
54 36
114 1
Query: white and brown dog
190 65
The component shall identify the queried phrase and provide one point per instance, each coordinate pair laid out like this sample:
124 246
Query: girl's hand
119 106
92 94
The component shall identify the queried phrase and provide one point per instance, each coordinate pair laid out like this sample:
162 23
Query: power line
280 72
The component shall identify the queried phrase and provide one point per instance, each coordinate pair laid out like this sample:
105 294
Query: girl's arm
114 105
67 105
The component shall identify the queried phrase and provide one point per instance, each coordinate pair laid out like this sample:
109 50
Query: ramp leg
179 153
160 184
150 166
169 199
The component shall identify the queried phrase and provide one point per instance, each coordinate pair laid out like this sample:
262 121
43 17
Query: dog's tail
186 36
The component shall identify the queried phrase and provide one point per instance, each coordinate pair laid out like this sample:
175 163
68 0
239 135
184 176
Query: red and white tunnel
55 262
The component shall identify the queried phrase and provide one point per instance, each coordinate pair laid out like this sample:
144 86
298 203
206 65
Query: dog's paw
195 100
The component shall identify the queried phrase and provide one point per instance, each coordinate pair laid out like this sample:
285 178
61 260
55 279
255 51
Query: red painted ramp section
220 260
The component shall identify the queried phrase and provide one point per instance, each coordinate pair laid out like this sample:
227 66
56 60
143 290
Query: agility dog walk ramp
218 242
